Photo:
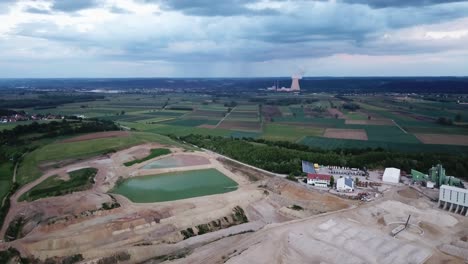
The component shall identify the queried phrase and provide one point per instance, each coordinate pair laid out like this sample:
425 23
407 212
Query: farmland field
386 121
443 139
288 132
359 134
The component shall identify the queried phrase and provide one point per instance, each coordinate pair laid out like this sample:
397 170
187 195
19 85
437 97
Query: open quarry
264 219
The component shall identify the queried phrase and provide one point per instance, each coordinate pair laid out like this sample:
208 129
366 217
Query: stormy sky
232 38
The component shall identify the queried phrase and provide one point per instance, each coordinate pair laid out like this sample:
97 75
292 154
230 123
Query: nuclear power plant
295 83
295 87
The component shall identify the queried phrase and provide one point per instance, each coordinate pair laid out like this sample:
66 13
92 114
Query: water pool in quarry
175 186
181 160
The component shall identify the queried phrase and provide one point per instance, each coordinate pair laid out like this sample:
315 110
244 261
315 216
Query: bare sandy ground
328 229
71 224
355 235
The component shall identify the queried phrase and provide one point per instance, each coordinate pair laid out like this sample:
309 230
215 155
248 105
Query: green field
28 170
389 134
79 180
288 132
6 172
175 186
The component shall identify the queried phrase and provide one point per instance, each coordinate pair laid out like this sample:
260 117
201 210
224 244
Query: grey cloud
34 10
212 8
400 3
73 5
313 31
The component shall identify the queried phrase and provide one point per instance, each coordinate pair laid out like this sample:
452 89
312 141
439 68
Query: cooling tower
295 83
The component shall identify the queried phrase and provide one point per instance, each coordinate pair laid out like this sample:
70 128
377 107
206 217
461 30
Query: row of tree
48 101
22 138
285 157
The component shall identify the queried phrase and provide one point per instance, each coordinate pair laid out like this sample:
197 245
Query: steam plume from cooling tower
295 81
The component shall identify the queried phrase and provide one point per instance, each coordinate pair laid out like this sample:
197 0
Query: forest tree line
285 157
17 140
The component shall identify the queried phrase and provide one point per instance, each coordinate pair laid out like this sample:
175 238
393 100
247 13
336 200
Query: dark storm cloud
400 3
73 5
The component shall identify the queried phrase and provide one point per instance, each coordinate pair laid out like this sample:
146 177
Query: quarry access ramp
243 164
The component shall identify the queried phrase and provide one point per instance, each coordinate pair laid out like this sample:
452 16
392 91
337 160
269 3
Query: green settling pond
175 186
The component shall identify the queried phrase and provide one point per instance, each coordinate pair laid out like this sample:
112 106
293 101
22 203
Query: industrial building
295 87
454 199
309 167
319 180
391 175
435 175
345 184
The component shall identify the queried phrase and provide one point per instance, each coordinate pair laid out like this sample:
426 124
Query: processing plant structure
436 175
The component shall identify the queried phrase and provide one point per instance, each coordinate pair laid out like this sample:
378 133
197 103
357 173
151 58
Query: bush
297 207
239 215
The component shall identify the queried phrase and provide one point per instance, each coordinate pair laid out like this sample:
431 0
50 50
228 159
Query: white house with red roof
320 180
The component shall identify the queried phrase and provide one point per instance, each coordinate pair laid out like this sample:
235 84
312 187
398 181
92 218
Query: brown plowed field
240 125
414 116
109 134
359 134
379 122
443 139
304 125
334 111
270 112
244 114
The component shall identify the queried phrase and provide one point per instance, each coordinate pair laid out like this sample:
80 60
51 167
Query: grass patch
80 180
153 154
185 130
6 173
28 170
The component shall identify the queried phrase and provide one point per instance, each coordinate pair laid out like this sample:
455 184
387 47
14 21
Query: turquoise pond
175 186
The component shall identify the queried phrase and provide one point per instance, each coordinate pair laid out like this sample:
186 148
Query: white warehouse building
345 184
391 175
454 199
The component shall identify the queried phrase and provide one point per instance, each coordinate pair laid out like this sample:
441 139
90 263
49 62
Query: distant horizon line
258 77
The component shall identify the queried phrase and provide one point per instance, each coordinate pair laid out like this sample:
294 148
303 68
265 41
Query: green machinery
436 175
